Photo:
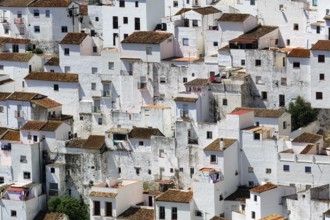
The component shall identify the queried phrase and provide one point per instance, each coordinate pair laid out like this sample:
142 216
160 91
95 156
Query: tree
74 208
301 112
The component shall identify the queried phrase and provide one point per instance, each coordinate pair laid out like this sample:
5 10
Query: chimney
222 144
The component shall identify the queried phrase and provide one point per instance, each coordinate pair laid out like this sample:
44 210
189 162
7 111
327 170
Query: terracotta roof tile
215 145
11 135
197 82
83 9
12 40
46 103
307 149
16 57
225 48
73 38
274 217
263 112
51 126
54 61
202 10
51 76
33 125
185 99
138 213
3 130
146 37
144 133
307 137
103 194
94 142
299 52
22 96
15 3
321 45
173 195
233 17
50 3
240 112
258 32
4 95
263 188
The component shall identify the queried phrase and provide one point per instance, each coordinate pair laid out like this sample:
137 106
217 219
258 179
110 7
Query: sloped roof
73 38
11 135
146 37
50 3
307 137
233 17
263 112
300 53
322 45
173 195
263 188
258 32
33 125
144 133
51 126
4 95
274 217
16 57
241 193
12 40
197 82
46 102
83 9
54 61
202 10
51 76
21 96
103 194
215 145
185 99
94 142
3 130
15 3
138 213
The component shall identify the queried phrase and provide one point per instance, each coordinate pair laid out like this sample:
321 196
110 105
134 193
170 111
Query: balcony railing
19 21
105 93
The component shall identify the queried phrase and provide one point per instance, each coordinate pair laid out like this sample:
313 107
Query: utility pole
72 13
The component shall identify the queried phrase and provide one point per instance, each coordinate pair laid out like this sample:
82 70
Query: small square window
26 175
256 136
295 27
185 41
67 69
175 4
36 29
283 81
2 179
36 13
96 19
137 170
213 158
56 87
215 43
111 65
66 51
264 95
181 169
209 134
250 170
162 80
258 62
13 213
148 50
319 95
225 102
195 23
296 64
125 36
52 170
220 197
171 170
125 20
47 13
122 3
251 183
268 170
286 168
23 159
252 2
321 76
64 29
242 62
321 58
199 213
81 118
184 79
308 169
141 143
161 153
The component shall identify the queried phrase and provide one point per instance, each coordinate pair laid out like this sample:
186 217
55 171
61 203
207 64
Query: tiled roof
11 135
215 218
321 45
263 188
185 99
22 96
15 3
263 112
12 40
94 142
50 3
225 48
173 195
144 133
3 130
50 76
146 37
203 11
54 61
215 145
138 213
197 82
299 52
233 17
258 32
307 137
73 38
327 212
241 193
4 95
33 125
46 103
16 57
75 143
274 217
240 112
83 9
51 126
156 106
103 194
307 149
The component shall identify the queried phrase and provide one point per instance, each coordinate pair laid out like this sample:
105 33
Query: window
2 109
53 189
108 209
95 49
149 50
23 159
192 171
321 76
36 13
114 39
264 95
250 169
258 62
136 4
36 29
195 23
13 213
242 62
286 168
119 169
6 31
161 212
52 170
283 82
1 67
199 213
251 183
141 143
314 2
215 43
281 99
209 134
99 121
96 19
295 27
288 42
221 197
81 118
318 29
56 88
256 136
319 95
184 79
2 179
149 171
15 48
171 170
225 102
185 41
94 70
321 58
137 24
97 208
115 22
268 170
252 2
162 79
253 215
47 13
93 86
64 29
181 169
175 4
125 20
174 213
111 65
66 51
255 198
137 170
213 158
125 35
122 3
35 138
308 169
284 125
26 175
296 64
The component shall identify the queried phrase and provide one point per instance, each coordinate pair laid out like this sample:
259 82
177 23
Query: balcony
4 20
19 114
18 21
96 109
192 141
105 93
